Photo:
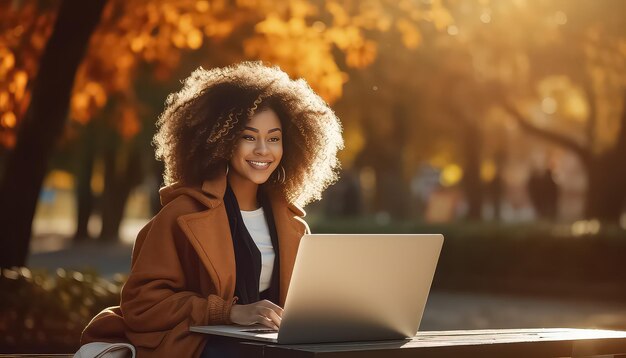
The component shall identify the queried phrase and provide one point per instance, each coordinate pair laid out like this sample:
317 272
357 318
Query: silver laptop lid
359 287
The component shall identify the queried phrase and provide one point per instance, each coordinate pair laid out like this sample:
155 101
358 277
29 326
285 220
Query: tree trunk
392 191
122 174
42 125
84 173
606 193
606 172
385 154
472 184
604 199
496 187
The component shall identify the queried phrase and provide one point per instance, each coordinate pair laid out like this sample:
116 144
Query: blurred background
501 124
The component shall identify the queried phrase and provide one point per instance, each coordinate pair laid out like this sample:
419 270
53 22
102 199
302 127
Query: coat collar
209 233
216 189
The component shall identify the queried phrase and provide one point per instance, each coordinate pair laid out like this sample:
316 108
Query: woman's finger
266 322
273 307
275 318
272 315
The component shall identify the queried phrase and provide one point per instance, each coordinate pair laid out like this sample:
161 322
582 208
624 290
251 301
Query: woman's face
259 148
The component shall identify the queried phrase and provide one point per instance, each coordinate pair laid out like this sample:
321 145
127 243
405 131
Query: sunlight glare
137 44
4 100
488 170
560 18
451 175
549 105
367 177
8 120
586 227
8 61
203 6
319 26
20 79
194 39
60 180
576 106
485 18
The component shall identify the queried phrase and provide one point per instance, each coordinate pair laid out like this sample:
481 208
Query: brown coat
183 273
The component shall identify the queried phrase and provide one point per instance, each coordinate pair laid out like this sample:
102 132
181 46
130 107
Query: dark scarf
247 254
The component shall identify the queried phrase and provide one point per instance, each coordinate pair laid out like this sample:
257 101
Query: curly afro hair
199 128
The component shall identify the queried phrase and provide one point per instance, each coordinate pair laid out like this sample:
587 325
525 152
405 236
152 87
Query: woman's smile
261 165
258 151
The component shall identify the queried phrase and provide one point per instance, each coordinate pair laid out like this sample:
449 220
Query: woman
243 146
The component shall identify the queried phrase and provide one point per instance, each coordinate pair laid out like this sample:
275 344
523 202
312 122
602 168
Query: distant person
544 194
495 190
242 147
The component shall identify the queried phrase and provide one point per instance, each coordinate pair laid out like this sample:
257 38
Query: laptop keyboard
260 330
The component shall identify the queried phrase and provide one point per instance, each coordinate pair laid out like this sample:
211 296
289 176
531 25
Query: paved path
108 259
455 310
444 311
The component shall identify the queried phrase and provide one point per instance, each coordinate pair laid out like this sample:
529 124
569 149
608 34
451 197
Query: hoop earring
227 168
280 179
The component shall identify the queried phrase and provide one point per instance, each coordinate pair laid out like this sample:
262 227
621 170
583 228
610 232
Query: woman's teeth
260 165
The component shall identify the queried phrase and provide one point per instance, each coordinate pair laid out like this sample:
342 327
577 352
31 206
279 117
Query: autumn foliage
301 36
453 84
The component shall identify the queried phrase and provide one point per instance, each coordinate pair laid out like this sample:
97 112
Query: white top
260 233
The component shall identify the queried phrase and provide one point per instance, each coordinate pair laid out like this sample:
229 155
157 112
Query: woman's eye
274 139
249 138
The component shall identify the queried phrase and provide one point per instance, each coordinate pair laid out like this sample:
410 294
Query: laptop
348 288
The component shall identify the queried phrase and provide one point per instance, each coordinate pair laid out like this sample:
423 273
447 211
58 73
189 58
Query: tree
596 72
301 36
42 125
416 106
557 70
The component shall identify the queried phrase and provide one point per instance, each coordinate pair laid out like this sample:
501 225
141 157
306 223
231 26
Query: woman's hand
263 312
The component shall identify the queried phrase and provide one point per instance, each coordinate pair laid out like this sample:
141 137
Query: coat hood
210 193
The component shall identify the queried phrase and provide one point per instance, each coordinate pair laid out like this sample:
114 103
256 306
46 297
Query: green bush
43 312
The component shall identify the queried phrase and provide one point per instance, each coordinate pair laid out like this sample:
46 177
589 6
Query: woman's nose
261 147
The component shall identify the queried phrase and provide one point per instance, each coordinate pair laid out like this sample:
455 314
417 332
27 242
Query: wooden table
508 343
552 342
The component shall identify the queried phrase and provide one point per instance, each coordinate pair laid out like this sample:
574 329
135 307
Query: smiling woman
243 146
203 122
256 156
